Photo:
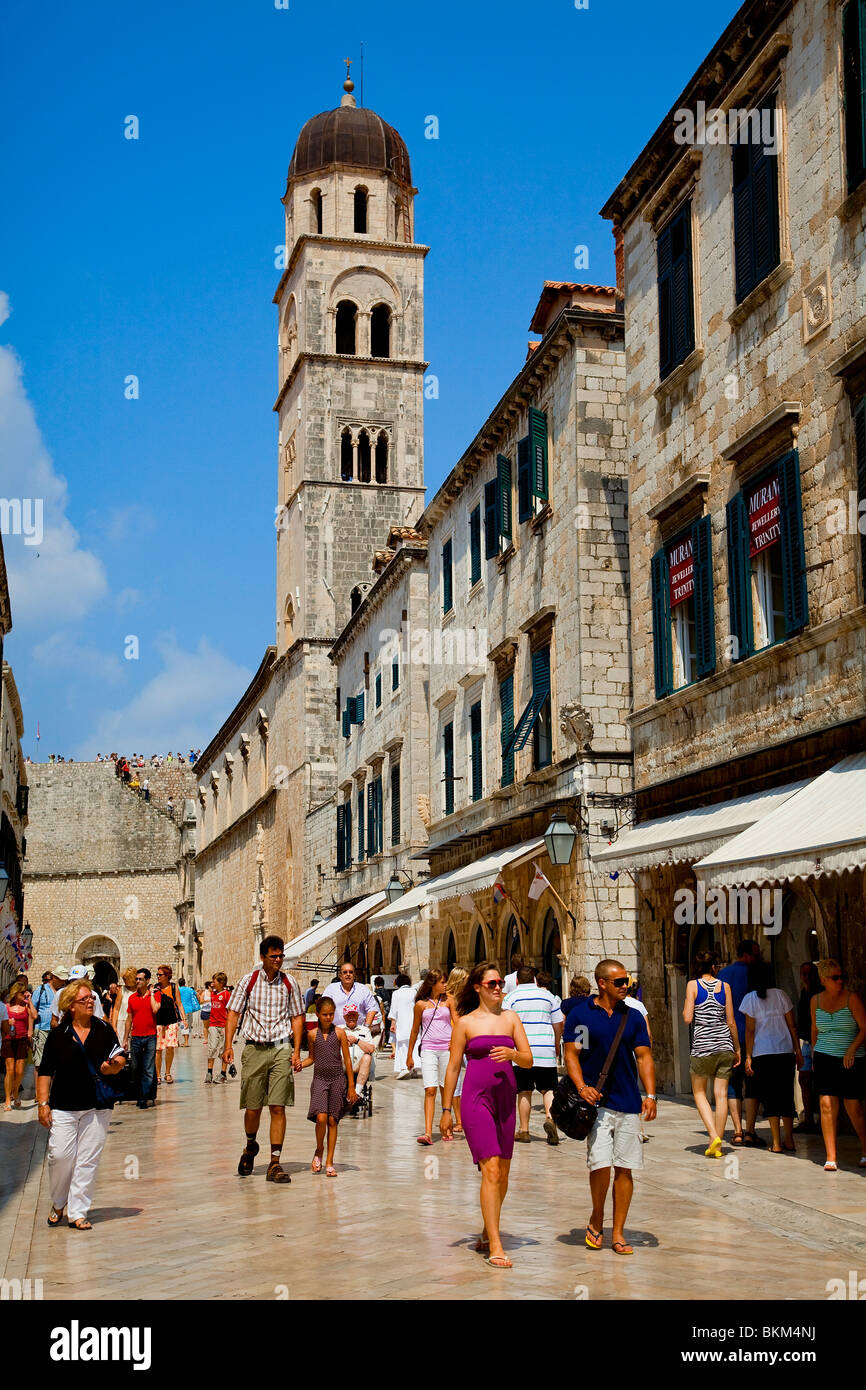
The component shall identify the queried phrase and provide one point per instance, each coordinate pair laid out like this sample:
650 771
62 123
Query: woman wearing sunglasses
493 1039
839 1057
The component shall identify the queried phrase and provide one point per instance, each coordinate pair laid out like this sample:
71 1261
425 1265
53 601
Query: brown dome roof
350 135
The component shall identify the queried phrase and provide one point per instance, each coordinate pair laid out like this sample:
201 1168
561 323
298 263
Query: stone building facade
528 635
745 303
14 814
105 872
350 439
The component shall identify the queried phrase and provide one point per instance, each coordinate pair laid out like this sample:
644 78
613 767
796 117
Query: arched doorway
378 959
98 948
480 953
450 953
512 942
395 955
551 945
347 956
361 967
797 942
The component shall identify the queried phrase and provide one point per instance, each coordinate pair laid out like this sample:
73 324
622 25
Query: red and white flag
538 884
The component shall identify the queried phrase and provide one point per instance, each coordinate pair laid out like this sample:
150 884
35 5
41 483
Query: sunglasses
494 984
276 955
620 983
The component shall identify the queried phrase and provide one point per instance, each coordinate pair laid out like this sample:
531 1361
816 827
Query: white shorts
614 1141
434 1066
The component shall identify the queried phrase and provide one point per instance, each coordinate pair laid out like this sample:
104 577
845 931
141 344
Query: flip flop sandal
498 1262
55 1217
316 1165
737 1140
423 1139
169 1080
80 1225
447 1138
830 1166
331 1173
460 1133
276 1173
594 1239
622 1247
248 1157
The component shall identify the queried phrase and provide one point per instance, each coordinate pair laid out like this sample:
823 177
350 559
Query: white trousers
401 1052
75 1143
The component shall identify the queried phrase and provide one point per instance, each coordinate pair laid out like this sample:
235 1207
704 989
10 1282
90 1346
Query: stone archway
98 948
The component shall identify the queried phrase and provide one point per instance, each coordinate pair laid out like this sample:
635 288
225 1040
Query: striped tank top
710 1033
836 1032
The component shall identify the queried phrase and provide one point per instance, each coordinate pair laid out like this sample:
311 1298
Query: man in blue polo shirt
614 1140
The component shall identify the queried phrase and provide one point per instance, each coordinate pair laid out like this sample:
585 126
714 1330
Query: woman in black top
75 1099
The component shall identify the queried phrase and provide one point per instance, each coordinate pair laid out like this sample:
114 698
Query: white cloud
5 311
54 580
181 707
61 653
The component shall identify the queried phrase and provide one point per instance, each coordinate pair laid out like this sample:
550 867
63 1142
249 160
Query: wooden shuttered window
661 604
476 751
854 90
793 546
756 204
371 822
538 444
347 834
676 299
378 689
341 843
860 456
395 673
447 577
739 578
448 750
380 835
705 624
540 694
491 527
524 479
361 841
358 709
474 545
347 719
395 804
506 717
503 500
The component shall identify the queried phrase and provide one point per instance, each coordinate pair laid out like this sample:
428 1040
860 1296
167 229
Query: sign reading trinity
765 525
681 571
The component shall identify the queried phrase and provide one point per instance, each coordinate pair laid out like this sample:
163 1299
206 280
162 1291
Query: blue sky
155 257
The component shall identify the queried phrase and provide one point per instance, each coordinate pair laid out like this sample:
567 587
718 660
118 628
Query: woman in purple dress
493 1039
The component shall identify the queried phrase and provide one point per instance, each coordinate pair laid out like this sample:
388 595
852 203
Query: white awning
821 830
691 834
471 878
305 946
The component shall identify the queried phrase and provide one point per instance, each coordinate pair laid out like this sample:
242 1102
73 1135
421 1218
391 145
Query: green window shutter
358 709
371 822
448 746
793 547
491 530
503 499
744 246
395 673
524 480
860 455
395 804
676 308
756 208
854 90
476 751
447 578
347 720
663 262
540 694
341 841
475 545
705 626
506 714
541 671
378 689
661 602
380 838
740 577
538 438
360 825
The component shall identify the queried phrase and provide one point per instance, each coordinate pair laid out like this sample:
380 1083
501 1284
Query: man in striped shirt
542 1018
270 1005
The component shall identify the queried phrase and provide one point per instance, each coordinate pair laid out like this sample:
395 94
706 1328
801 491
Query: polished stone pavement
173 1220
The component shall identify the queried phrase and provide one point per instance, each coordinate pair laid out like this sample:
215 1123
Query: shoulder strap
599 1085
251 986
285 980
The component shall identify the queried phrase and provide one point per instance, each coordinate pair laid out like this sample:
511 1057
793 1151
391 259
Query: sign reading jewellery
681 571
765 524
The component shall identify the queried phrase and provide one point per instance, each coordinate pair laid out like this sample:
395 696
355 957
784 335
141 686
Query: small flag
614 877
499 893
467 902
538 884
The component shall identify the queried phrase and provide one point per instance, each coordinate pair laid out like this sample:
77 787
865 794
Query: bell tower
350 411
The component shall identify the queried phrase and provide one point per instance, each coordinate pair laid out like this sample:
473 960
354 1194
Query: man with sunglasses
615 1139
270 1004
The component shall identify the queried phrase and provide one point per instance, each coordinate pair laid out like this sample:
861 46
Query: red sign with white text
681 571
765 523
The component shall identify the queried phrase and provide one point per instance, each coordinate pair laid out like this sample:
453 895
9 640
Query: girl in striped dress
715 1045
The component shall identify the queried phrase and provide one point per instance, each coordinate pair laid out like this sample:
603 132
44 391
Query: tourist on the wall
16 1044
715 1049
170 1016
772 1050
139 1038
75 1099
492 1039
839 1057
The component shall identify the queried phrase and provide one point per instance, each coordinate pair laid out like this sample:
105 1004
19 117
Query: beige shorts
266 1076
166 1036
614 1141
216 1041
716 1064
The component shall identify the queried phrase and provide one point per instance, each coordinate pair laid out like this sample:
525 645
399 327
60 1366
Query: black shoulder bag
573 1115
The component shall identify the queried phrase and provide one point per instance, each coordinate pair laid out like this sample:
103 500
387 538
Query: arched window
380 331
395 955
362 963
551 945
450 954
360 209
346 456
316 218
480 947
382 457
512 942
347 319
363 457
378 958
347 956
355 599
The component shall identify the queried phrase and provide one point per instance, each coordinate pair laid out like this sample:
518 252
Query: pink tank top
435 1029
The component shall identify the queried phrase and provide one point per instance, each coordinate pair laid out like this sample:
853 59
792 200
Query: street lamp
395 888
318 919
559 839
27 936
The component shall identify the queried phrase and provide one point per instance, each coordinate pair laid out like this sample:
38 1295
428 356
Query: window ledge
853 203
503 793
448 617
502 560
474 588
767 287
543 774
537 522
680 374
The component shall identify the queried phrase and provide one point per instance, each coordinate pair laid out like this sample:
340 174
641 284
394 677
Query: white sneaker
401 1075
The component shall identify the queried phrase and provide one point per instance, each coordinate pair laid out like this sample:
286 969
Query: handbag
168 1012
573 1115
106 1094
